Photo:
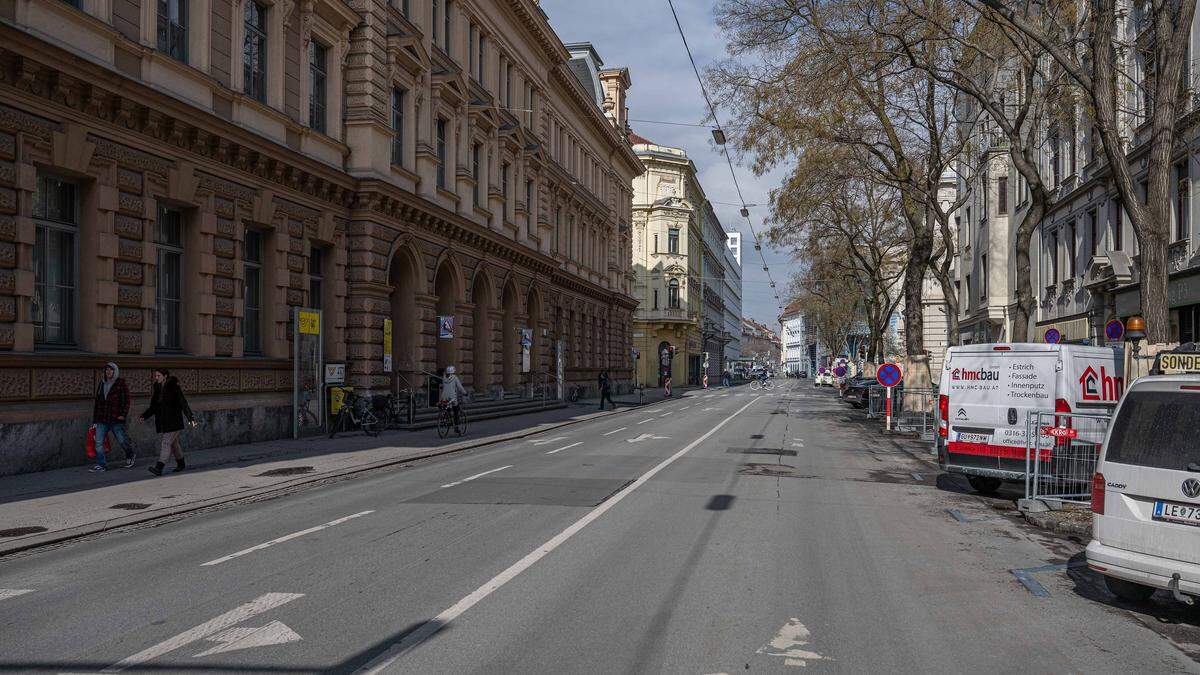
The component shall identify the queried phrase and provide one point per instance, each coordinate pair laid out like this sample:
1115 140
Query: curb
1047 521
59 536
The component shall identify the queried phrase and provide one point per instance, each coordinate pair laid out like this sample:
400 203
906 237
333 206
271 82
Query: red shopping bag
91 442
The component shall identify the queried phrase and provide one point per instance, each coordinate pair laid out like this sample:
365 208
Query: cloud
641 35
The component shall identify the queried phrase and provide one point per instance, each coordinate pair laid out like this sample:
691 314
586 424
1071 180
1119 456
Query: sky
641 35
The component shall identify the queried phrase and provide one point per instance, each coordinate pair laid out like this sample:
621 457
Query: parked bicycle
356 413
573 392
451 417
393 409
305 417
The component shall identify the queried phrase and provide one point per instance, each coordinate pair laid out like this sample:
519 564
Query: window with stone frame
168 289
318 88
172 28
252 292
528 207
673 294
673 240
440 133
316 277
398 101
55 261
504 191
254 51
1183 188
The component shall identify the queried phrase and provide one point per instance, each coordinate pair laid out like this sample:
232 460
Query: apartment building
177 178
733 301
795 339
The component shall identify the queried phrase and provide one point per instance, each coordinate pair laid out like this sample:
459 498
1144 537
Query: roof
792 308
635 139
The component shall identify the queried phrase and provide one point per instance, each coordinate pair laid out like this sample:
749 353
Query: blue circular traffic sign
888 375
1114 330
840 371
1053 336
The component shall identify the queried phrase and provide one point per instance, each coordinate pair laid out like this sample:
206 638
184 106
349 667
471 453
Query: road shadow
1161 611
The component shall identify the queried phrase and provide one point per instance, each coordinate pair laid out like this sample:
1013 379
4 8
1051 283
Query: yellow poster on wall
310 323
387 345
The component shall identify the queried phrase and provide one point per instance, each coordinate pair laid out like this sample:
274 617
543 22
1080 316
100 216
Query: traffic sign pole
889 408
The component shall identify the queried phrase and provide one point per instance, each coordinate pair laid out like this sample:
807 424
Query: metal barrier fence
1061 451
876 398
915 410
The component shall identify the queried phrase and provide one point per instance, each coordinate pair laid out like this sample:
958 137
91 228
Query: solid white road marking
666 413
610 433
790 643
478 475
544 441
233 639
646 437
564 447
644 421
286 537
6 593
427 629
229 619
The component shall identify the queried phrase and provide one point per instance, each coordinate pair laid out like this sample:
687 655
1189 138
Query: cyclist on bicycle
452 389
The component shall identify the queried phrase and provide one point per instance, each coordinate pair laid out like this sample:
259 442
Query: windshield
1156 429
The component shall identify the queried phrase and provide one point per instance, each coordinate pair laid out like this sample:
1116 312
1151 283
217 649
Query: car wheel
984 484
1128 590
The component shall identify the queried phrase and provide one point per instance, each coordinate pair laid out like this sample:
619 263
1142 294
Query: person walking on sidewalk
109 413
605 390
169 408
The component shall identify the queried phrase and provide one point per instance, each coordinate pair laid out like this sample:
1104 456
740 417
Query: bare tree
1101 49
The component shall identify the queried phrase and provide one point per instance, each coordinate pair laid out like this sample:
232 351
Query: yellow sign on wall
387 345
310 323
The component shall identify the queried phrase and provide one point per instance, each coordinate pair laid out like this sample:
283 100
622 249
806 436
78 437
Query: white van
1146 491
988 390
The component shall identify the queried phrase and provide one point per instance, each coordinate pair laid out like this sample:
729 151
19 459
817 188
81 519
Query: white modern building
733 302
795 340
734 242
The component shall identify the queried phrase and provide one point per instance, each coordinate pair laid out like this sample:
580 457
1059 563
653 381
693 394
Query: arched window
673 294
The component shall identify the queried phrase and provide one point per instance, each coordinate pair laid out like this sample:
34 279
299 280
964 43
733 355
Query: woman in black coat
170 410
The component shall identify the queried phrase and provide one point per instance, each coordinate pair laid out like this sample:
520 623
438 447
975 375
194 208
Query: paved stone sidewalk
41 508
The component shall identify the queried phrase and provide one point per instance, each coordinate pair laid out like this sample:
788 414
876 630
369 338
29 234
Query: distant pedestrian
109 413
605 390
171 412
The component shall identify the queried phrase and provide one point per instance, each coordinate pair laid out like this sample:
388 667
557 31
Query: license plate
974 438
1171 512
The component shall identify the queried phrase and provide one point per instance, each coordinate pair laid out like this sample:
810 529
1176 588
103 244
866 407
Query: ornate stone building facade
176 177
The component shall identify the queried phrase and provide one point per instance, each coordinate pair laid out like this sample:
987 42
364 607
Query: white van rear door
991 394
1152 499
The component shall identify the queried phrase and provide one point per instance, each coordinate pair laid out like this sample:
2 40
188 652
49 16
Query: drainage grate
761 451
130 506
756 436
21 531
287 471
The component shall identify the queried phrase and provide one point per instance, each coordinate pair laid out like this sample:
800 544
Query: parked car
987 392
857 391
1146 491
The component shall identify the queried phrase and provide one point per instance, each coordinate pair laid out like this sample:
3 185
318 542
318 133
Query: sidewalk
42 508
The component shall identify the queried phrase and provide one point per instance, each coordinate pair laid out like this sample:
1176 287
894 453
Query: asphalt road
723 532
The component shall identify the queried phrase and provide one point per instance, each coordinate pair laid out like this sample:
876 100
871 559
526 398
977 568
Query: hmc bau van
988 391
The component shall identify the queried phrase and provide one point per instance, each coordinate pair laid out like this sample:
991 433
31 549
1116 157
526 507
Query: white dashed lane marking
565 447
478 475
286 537
610 433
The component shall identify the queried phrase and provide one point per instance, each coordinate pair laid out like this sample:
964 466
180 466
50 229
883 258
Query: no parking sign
889 375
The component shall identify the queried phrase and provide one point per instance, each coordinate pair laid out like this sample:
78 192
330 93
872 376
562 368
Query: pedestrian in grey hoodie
109 413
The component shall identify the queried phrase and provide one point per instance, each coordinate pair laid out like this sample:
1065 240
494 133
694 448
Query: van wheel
984 484
1128 590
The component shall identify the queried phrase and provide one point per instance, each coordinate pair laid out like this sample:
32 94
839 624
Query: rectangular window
983 278
252 292
472 48
254 51
316 277
967 301
169 291
1002 195
528 207
480 59
656 298
1118 222
571 236
1053 255
172 28
557 227
447 24
504 191
398 96
656 243
317 53
1072 258
56 218
672 240
673 294
436 21
1055 159
1093 231
476 151
1183 188
441 153
508 81
1155 429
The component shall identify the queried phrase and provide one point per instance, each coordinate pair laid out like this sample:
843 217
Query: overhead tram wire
728 160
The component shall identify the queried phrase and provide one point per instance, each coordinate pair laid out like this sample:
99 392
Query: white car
1146 491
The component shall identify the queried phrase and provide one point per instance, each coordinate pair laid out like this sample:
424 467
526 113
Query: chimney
615 82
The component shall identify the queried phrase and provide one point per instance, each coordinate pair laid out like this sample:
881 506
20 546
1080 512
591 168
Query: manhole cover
130 506
761 451
287 471
21 531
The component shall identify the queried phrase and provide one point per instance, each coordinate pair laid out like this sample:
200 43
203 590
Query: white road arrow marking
6 593
551 452
545 441
286 537
790 643
229 619
646 437
478 475
233 639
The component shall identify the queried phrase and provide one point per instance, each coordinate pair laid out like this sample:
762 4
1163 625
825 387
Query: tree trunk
920 249
1155 307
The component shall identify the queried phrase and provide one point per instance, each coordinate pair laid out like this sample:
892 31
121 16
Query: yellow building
668 262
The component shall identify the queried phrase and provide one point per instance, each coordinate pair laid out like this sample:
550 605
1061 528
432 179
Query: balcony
673 315
1179 256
